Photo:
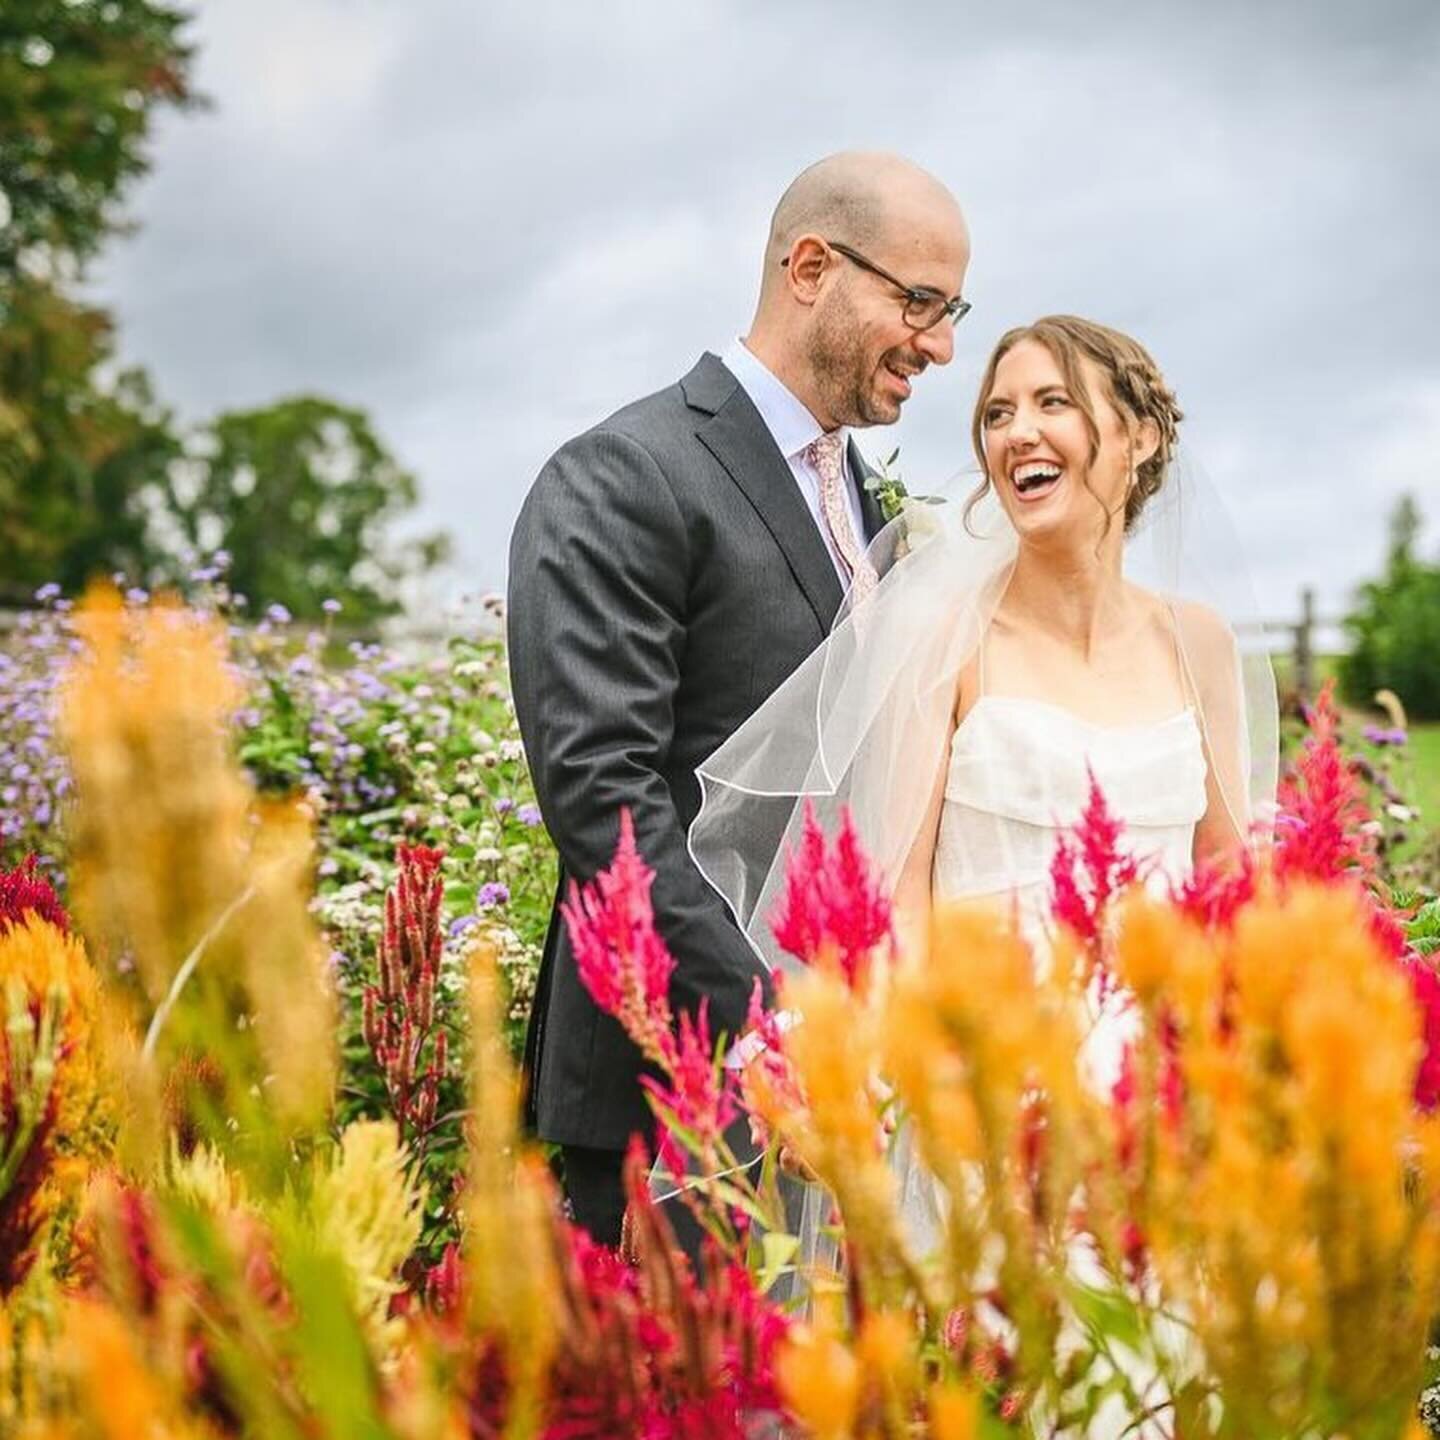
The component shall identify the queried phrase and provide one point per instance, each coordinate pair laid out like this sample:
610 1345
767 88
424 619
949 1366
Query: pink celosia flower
832 902
1319 833
1213 894
764 1065
1087 872
1425 985
623 961
699 1096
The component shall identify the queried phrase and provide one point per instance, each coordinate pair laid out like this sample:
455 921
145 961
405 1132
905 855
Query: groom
672 566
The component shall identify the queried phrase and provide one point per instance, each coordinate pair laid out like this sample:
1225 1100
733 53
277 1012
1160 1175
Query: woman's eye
995 415
1055 402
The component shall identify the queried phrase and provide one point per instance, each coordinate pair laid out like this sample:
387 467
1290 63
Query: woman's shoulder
1198 623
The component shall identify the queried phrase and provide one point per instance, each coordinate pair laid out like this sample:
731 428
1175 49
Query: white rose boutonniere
889 490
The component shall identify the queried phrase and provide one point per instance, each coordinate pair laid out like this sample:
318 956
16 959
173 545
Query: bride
1075 617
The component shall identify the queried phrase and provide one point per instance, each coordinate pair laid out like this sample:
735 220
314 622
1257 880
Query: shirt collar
791 425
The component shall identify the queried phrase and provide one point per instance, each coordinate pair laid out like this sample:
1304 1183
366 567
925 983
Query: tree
76 450
1394 627
79 82
300 493
93 477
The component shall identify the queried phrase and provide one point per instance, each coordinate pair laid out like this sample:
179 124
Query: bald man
672 566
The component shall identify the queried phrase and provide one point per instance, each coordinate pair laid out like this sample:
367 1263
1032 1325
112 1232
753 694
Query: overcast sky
492 223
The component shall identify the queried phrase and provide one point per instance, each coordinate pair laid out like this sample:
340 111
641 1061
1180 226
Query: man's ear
805 266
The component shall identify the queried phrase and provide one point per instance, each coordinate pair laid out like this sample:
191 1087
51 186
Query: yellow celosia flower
819 1380
367 1213
115 1389
513 1280
204 1179
177 864
954 1412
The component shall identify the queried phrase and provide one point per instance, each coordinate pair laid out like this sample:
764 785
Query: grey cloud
493 224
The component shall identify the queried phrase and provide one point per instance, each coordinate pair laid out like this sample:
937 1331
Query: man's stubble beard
837 361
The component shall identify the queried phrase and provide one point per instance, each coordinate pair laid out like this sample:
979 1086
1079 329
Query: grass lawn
1417 771
1424 762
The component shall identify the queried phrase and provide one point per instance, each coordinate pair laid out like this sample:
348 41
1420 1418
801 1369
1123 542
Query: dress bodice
1019 773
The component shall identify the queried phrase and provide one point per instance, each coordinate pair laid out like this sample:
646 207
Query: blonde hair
1137 390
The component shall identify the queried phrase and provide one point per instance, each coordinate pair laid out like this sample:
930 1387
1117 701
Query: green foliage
1395 627
298 494
91 472
77 453
79 82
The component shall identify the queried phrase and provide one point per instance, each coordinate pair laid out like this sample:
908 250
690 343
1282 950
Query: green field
1425 768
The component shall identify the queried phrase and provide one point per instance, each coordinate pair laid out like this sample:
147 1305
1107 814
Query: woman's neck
1073 594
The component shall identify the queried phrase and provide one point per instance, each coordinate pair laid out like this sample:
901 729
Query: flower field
270 915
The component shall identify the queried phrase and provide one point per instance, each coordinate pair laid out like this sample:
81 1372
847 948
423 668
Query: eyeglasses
924 307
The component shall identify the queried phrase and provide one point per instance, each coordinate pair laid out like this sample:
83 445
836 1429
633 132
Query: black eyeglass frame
922 295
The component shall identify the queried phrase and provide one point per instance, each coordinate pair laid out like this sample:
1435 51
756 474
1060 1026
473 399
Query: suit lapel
738 438
871 515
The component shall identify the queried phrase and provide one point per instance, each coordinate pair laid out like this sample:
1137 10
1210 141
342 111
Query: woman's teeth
1034 476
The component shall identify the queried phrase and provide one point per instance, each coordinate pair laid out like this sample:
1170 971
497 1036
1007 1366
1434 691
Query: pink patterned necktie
827 456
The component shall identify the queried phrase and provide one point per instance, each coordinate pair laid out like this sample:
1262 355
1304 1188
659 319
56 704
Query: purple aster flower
331 607
528 814
277 614
493 893
47 592
1381 736
460 926
504 805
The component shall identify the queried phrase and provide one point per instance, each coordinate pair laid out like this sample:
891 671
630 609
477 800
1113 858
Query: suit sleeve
599 574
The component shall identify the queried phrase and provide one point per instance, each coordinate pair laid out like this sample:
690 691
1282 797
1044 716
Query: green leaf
1109 1313
334 1361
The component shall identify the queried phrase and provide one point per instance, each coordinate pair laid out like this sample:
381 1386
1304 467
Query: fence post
1305 645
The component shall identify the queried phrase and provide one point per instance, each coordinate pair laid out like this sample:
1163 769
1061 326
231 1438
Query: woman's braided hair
1137 388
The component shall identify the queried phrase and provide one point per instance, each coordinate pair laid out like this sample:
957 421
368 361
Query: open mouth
1035 479
901 374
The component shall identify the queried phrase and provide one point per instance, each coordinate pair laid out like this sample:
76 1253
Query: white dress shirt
793 428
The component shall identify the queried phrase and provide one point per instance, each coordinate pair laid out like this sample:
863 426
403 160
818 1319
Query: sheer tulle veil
865 721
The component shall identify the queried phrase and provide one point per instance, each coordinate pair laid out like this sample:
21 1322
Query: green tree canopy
76 451
93 476
1394 626
79 82
300 494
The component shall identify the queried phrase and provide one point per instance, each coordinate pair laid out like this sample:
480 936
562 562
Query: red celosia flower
398 1014
1088 870
20 1216
1319 831
696 1098
646 1350
832 902
623 961
442 1282
22 890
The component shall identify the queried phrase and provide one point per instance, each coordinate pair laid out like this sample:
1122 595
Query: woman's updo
1137 389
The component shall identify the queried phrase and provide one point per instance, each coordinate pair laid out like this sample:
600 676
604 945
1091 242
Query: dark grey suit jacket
665 577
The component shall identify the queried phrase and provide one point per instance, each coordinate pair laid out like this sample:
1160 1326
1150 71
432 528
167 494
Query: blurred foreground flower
52 1114
198 890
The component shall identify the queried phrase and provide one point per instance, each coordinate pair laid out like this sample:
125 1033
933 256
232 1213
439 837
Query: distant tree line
96 476
1394 627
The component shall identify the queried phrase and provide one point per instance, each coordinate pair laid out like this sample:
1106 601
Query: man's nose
937 344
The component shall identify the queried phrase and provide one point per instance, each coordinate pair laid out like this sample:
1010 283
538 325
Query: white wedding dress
1019 775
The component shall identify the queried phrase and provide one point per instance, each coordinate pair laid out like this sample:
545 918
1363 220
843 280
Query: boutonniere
889 490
